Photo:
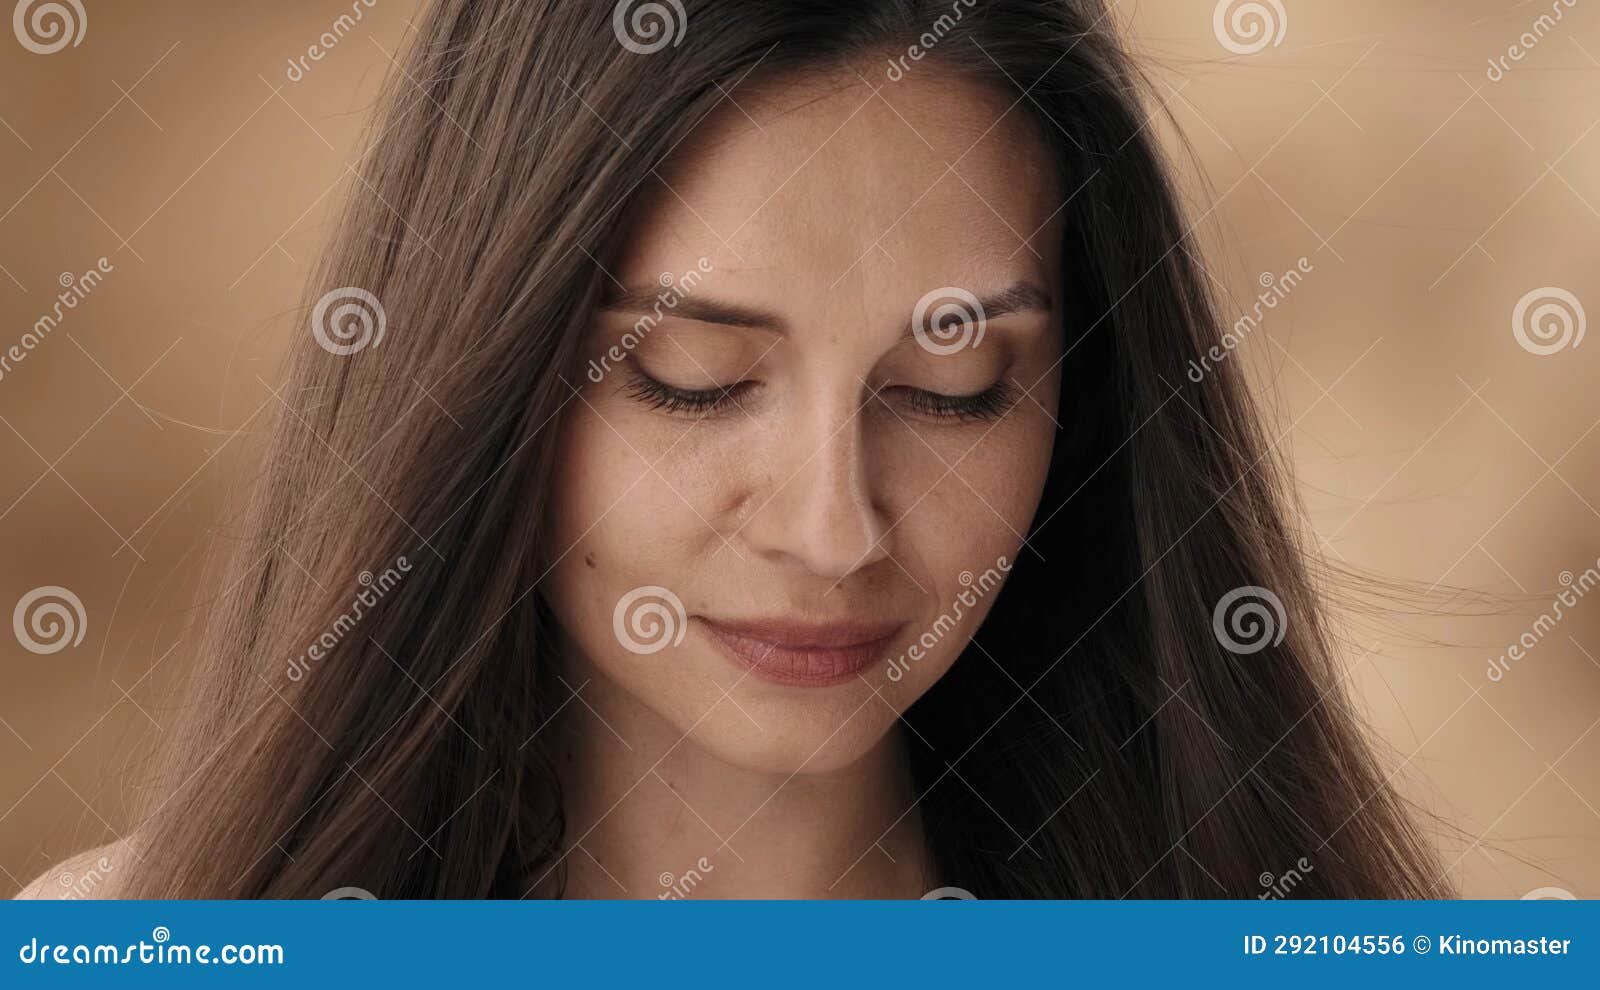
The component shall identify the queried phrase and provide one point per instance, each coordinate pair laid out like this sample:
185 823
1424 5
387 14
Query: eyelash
695 402
992 403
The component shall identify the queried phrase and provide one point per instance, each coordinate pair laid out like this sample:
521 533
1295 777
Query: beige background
1430 446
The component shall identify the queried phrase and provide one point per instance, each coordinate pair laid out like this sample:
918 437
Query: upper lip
795 634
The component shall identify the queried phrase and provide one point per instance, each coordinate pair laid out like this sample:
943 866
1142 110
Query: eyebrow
1019 298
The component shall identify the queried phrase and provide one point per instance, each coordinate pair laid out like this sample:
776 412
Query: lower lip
799 666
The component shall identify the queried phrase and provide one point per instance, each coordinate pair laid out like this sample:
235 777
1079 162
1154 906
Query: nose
819 510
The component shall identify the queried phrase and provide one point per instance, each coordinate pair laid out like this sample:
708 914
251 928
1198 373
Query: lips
804 654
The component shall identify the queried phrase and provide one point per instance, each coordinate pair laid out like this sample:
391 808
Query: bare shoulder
93 875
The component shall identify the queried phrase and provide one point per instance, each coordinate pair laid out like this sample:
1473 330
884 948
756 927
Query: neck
651 813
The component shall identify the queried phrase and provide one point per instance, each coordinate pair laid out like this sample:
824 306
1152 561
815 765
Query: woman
756 450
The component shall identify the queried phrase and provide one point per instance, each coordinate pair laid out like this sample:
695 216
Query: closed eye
657 394
992 403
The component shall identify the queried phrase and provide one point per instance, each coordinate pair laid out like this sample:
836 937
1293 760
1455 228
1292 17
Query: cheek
963 519
613 527
960 498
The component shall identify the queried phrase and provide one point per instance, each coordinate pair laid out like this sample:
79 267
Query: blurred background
1429 168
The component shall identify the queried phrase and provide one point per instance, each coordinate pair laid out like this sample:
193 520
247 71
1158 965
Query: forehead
854 198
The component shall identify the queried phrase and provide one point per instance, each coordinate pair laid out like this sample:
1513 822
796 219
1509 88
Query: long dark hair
1125 742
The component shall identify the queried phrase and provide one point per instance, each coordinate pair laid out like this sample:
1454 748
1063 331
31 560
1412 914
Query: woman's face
791 479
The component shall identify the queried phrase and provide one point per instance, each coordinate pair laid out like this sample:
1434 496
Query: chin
805 735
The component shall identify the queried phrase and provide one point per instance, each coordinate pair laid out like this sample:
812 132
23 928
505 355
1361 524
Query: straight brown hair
1147 754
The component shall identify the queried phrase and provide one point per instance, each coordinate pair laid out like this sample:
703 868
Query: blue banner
795 944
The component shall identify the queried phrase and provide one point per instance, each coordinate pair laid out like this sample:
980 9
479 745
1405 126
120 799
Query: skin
824 491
